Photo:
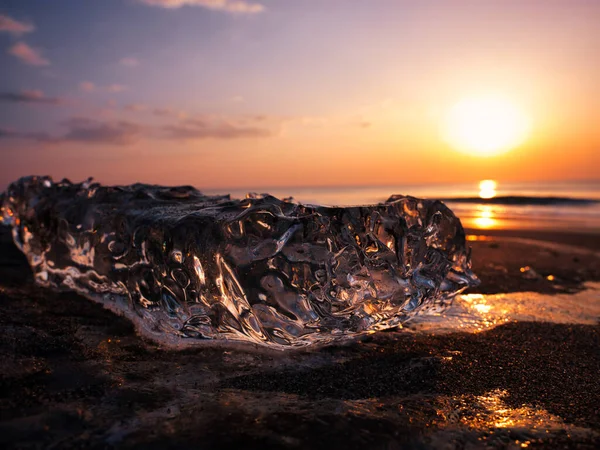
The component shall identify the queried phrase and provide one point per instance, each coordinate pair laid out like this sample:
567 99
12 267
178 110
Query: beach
75 375
265 224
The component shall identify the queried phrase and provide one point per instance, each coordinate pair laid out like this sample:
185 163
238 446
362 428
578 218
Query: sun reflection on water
485 217
488 318
477 237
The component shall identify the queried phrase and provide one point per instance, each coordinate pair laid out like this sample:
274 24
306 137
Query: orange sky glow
283 94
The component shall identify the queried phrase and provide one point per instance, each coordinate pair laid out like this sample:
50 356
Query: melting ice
186 267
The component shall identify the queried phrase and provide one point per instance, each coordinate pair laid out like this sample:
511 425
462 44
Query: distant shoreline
524 200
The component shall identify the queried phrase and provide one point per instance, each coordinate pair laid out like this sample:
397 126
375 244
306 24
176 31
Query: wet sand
74 375
499 255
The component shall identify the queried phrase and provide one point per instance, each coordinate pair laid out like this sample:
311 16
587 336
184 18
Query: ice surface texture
186 267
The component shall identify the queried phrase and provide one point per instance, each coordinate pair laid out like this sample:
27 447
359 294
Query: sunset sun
485 126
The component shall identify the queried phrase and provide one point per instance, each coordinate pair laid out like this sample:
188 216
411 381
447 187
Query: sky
226 94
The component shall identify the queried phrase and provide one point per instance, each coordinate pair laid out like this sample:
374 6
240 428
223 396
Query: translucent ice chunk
187 267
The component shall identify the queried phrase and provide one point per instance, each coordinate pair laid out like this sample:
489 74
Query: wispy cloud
28 55
218 128
231 6
118 132
88 86
85 130
129 62
169 112
6 133
135 107
13 26
116 88
29 96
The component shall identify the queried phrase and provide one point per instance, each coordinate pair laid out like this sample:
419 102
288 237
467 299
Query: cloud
11 134
118 132
129 62
85 130
116 88
6 133
13 26
29 96
28 55
231 6
169 112
87 86
216 128
162 112
135 107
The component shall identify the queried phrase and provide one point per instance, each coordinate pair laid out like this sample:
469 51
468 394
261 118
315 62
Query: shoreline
588 240
523 261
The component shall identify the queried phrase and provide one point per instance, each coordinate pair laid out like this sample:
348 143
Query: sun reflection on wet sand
478 312
523 426
472 421
482 308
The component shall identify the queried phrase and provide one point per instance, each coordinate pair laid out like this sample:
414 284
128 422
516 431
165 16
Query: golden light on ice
485 126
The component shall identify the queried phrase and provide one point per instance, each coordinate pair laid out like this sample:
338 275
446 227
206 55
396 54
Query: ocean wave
513 200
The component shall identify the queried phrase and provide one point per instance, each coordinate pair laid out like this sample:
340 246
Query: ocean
551 206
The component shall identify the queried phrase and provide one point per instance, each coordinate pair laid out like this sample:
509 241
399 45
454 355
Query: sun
485 126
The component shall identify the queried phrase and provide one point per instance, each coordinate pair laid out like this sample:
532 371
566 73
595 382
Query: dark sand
73 375
498 256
